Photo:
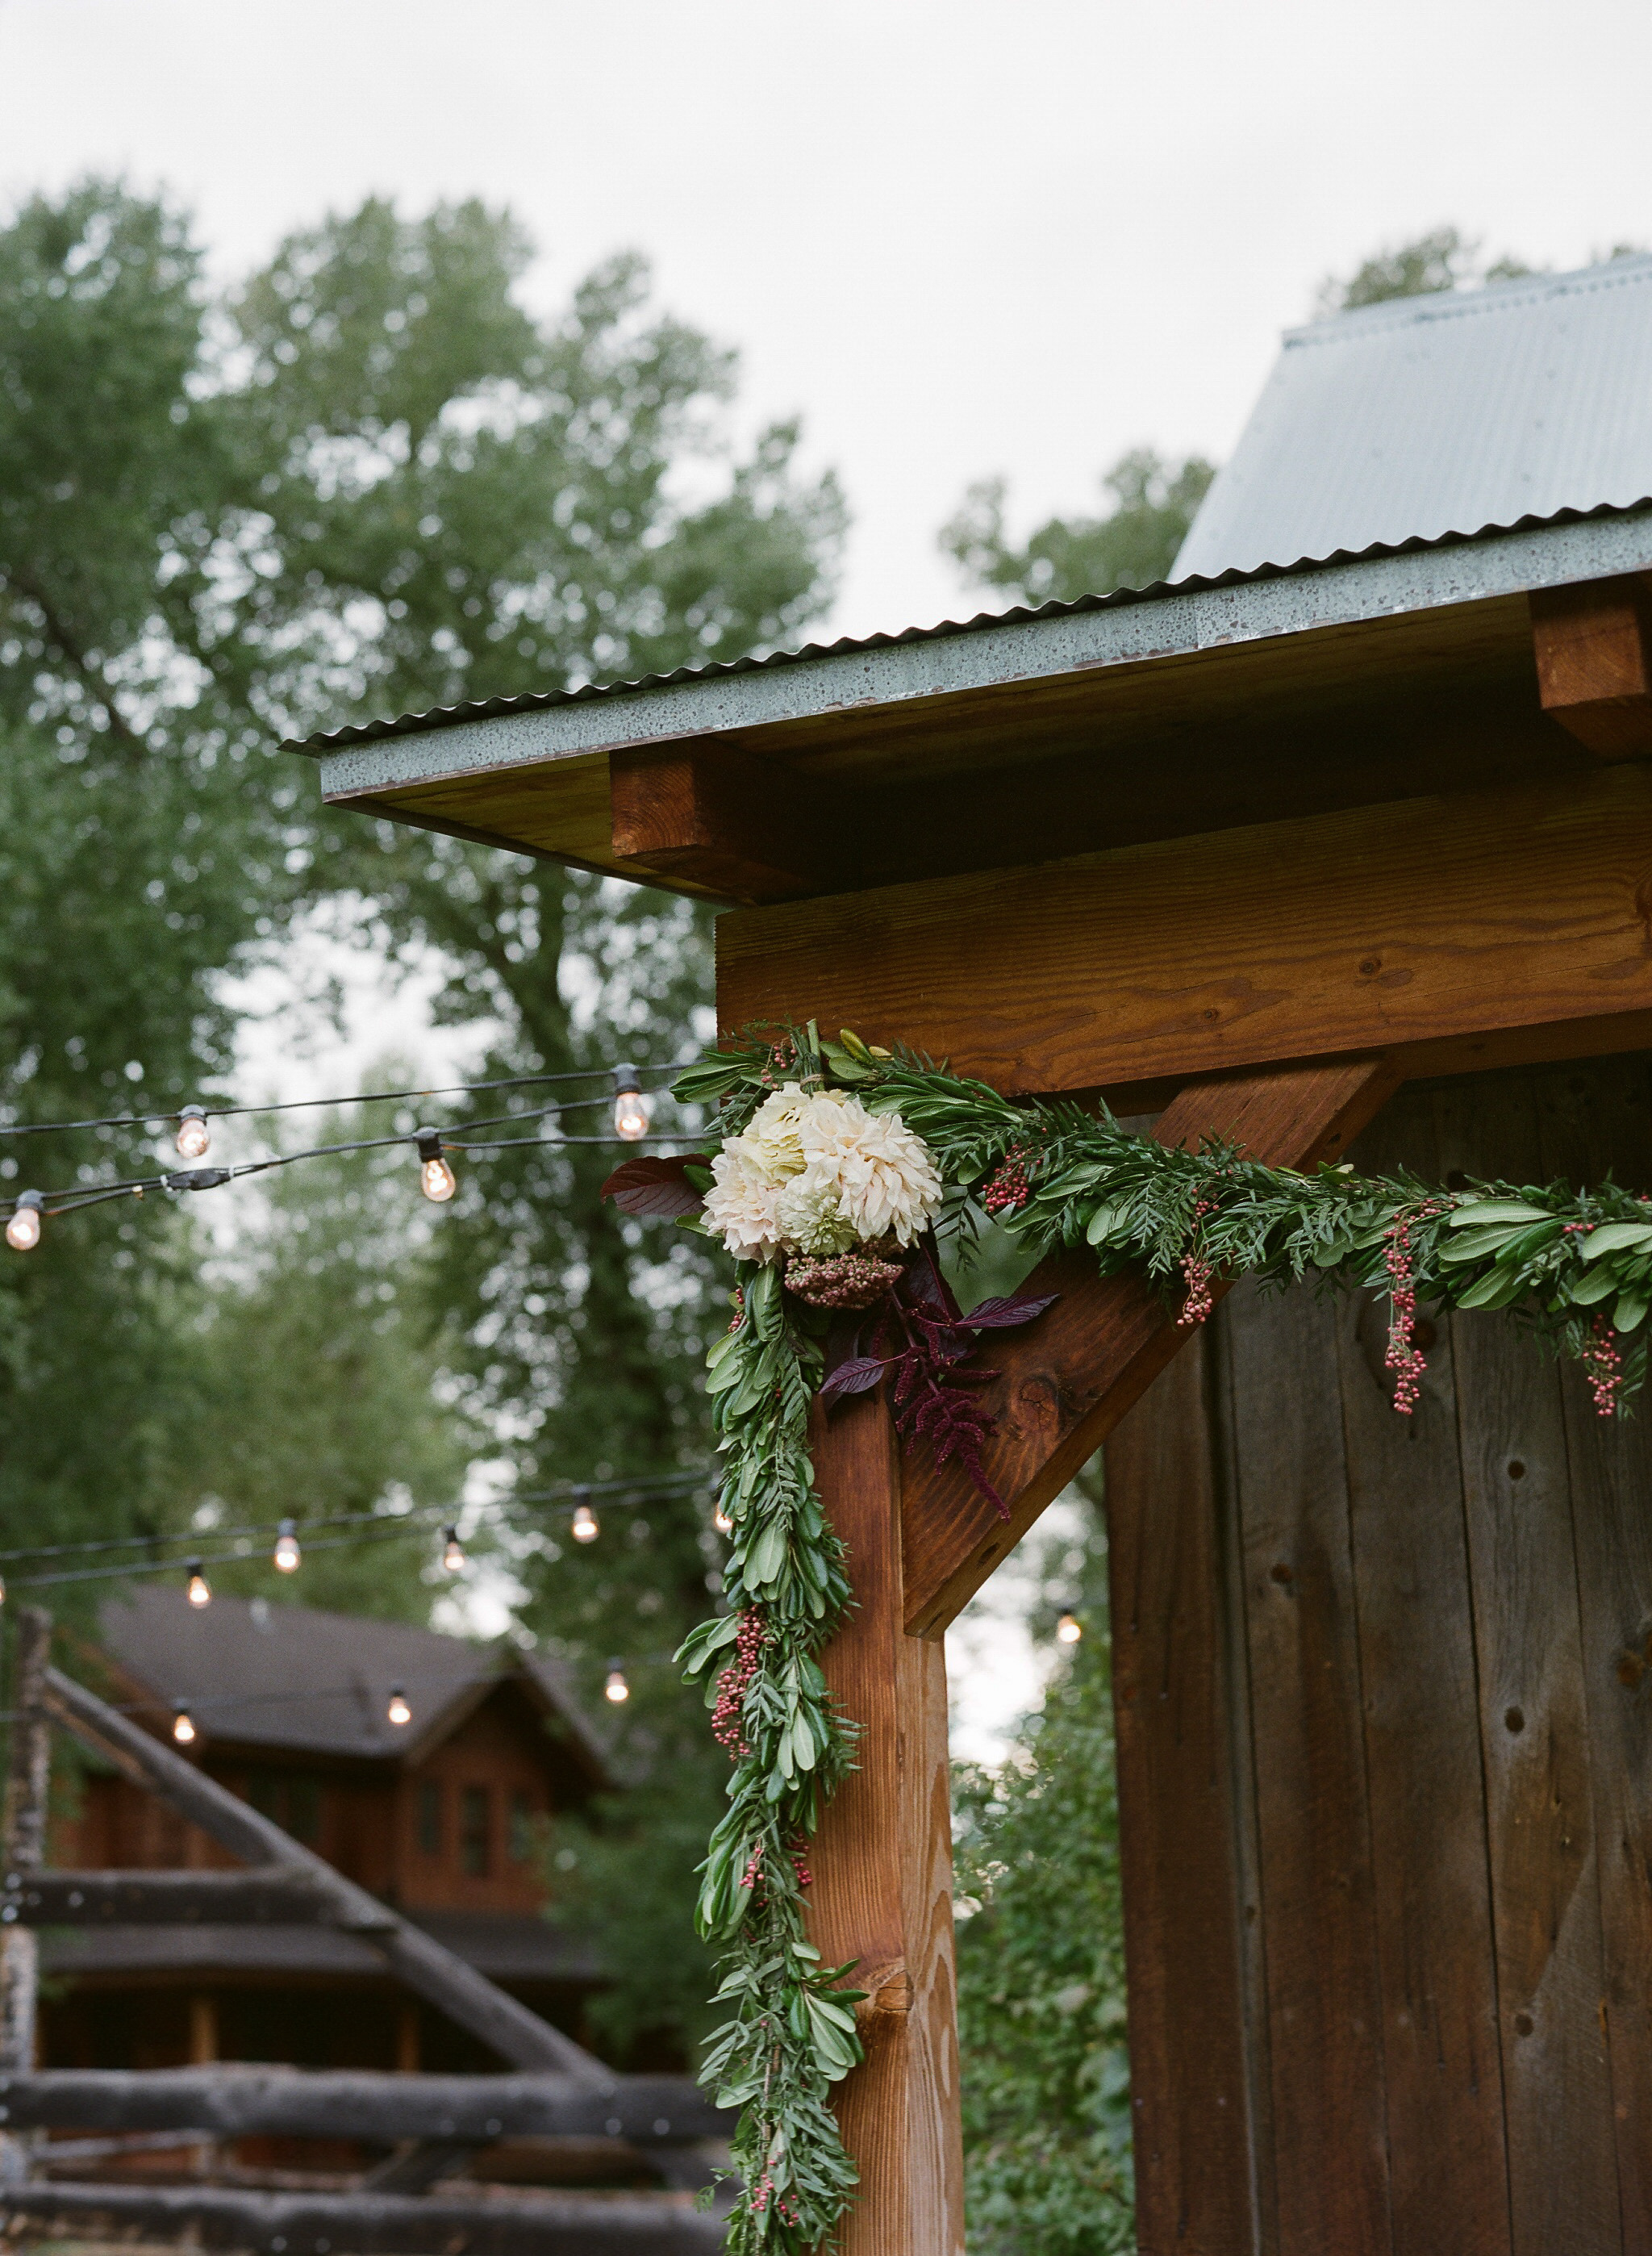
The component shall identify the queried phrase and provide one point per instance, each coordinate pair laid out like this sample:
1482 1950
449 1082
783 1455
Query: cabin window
304 1809
288 1798
474 1830
522 1816
430 1817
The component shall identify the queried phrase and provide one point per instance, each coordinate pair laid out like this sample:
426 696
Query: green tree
1445 258
1041 1970
1131 545
367 478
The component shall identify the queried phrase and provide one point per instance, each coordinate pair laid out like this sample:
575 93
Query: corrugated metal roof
1428 416
541 700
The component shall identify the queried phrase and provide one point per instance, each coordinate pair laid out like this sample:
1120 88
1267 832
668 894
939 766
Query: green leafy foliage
1131 545
1041 2004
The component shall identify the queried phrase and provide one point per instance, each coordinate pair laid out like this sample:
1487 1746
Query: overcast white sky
958 238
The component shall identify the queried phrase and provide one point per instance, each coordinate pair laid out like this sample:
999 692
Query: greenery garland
1575 1267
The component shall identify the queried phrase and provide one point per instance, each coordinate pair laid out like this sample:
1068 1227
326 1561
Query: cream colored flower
887 1185
809 1210
739 1206
770 1145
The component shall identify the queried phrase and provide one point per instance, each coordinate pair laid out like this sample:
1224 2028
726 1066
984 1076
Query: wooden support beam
1066 1380
28 1778
163 1899
709 815
883 1862
465 1995
410 2224
1594 662
235 2102
1422 922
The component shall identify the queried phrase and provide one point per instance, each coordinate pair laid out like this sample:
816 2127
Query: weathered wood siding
1385 1739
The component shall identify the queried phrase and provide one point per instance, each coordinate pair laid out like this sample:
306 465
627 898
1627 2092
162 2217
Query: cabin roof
1225 695
295 1679
1433 416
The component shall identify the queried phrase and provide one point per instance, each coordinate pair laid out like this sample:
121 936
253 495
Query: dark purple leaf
656 1190
1001 1315
858 1376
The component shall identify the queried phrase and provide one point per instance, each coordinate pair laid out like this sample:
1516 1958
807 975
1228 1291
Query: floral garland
839 1166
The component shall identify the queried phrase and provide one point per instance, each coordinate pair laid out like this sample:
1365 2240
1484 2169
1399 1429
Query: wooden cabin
445 1816
1342 841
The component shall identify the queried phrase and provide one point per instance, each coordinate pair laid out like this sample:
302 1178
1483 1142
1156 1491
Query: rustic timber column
883 1865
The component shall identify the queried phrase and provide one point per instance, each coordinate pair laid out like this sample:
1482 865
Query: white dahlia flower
887 1181
770 1145
739 1206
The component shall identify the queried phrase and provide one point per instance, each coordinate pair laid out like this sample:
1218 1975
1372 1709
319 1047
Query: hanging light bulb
630 1114
193 1136
286 1554
436 1178
616 1688
23 1231
200 1588
584 1527
183 1729
398 1711
1069 1630
452 1551
719 1518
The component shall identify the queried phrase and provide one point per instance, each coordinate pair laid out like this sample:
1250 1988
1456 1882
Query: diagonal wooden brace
1066 1380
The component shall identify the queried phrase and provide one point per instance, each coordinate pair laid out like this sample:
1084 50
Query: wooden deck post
882 1861
28 1779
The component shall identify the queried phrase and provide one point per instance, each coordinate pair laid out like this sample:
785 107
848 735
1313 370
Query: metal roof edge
1132 624
1483 298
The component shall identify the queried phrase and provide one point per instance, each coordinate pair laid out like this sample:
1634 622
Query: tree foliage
1130 545
1041 1971
1444 258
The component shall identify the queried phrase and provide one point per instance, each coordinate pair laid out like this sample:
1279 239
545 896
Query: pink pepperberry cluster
1404 1358
1603 1366
805 1878
763 2192
1200 1274
731 1685
1008 1188
739 1300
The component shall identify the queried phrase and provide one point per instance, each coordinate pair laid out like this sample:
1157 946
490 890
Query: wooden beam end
1593 645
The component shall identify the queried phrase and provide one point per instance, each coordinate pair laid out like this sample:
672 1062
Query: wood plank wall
1423 1921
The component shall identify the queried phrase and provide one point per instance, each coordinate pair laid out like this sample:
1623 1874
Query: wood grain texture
740 828
883 1867
1067 1379
1424 920
1328 2164
1191 2055
1588 1122
1534 1733
1442 2070
28 1779
1594 645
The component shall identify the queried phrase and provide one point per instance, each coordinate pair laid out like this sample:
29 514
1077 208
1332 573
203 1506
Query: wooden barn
1341 843
443 1817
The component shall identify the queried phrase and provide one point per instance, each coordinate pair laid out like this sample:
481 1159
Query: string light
584 1527
630 1114
616 1688
452 1551
23 1231
194 1138
183 1729
286 1555
199 1588
719 1518
1069 1630
398 1711
436 1178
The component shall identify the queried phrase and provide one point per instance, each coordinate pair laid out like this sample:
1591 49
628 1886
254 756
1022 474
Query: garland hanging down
840 1168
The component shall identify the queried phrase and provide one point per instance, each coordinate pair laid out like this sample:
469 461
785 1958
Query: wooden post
27 1779
883 1862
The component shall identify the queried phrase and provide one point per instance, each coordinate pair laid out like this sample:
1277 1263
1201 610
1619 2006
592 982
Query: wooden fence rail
267 1896
229 2101
428 2225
